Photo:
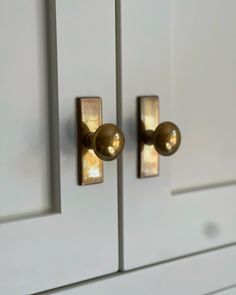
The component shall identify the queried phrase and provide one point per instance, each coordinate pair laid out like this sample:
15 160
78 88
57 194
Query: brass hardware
107 142
154 138
148 119
166 138
96 142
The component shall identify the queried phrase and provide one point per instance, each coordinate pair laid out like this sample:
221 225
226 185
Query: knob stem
148 137
88 140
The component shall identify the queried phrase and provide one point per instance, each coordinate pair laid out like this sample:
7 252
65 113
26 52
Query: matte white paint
203 100
198 275
230 291
24 175
40 253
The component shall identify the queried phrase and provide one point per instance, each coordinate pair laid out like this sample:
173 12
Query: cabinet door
52 231
184 52
198 275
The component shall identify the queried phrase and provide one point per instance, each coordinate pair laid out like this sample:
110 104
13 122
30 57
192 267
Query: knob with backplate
154 139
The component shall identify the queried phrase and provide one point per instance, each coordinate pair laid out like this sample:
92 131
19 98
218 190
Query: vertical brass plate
89 118
148 119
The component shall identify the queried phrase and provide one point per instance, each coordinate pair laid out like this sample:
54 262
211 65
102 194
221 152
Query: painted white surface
23 112
203 100
169 49
42 253
82 242
226 292
196 276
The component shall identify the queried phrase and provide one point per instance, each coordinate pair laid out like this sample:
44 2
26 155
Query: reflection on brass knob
107 141
166 138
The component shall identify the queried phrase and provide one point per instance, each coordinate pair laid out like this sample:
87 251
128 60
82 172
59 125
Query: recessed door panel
24 143
184 52
203 91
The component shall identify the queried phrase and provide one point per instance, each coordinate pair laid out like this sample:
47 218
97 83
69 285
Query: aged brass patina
166 138
107 142
96 142
154 138
148 119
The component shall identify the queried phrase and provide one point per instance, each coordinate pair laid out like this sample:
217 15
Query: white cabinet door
205 274
185 52
52 231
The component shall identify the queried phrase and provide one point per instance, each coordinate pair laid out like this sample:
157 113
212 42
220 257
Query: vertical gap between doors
53 110
119 122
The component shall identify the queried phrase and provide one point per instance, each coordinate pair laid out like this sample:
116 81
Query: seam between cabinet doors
119 122
121 273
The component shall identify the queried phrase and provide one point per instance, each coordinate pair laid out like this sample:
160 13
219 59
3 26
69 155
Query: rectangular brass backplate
89 118
148 119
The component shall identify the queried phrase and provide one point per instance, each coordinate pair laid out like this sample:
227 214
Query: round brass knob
107 142
166 138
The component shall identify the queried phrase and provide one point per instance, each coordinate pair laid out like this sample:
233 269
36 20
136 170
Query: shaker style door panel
52 231
184 52
23 112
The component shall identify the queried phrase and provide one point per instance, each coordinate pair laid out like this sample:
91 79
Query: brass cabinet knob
97 142
107 141
166 138
154 138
